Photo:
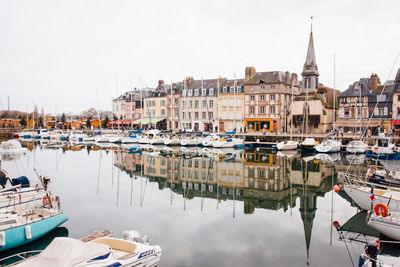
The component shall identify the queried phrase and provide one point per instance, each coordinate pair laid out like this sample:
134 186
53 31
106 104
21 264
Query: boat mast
172 114
33 118
133 105
218 105
234 101
334 93
361 116
291 112
116 87
98 107
141 108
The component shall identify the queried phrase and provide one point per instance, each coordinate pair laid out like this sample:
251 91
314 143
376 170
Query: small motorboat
24 135
100 249
227 141
372 256
152 137
173 140
108 138
384 145
12 147
357 146
132 138
287 145
209 140
18 228
191 140
329 146
383 176
308 144
77 136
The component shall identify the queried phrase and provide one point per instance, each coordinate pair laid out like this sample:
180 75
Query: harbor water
224 208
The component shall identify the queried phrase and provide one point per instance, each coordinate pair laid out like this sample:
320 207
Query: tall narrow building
310 69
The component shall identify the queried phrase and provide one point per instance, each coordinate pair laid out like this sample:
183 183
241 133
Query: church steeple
310 69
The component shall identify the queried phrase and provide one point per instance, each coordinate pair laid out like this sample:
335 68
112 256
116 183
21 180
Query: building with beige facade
268 98
231 105
199 104
155 109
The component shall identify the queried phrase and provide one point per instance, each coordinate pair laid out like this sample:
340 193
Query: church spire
310 69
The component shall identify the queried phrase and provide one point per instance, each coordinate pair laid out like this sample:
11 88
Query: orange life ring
47 198
381 209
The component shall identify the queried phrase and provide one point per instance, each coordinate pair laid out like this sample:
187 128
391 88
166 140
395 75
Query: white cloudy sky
56 53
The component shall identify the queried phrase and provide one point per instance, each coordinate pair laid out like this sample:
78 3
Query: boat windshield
383 142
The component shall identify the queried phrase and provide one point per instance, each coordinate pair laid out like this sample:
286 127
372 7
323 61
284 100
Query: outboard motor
372 250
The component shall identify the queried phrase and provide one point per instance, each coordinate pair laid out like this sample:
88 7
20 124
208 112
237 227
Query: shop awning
395 122
149 120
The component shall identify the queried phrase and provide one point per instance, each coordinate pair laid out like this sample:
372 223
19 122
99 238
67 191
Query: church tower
310 70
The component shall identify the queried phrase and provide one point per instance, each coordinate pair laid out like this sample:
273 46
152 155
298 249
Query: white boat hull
355 150
388 226
287 145
362 197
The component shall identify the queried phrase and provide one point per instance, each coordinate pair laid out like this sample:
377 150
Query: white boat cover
64 251
391 165
10 145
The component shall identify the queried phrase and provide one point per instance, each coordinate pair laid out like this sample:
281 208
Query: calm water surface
252 208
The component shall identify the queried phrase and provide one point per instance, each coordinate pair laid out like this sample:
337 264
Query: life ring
47 200
315 161
373 168
381 209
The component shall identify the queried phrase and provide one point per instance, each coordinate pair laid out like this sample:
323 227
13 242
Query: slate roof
269 77
365 89
386 88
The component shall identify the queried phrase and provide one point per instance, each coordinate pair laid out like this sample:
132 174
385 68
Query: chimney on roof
249 73
160 83
220 80
189 80
294 79
374 81
287 77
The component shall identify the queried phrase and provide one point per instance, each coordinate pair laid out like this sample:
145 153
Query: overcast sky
56 53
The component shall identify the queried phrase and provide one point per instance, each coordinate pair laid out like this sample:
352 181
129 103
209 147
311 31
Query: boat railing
352 179
20 256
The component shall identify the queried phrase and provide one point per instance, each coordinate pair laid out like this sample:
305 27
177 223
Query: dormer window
196 92
225 89
190 93
239 88
272 87
232 89
211 91
203 92
184 93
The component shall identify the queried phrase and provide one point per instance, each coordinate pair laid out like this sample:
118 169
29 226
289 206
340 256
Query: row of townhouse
369 106
269 101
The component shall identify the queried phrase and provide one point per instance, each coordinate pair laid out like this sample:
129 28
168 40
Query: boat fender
28 233
381 209
2 238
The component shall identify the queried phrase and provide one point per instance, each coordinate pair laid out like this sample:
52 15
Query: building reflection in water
260 180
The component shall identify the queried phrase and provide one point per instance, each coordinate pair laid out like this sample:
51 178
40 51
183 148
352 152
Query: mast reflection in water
240 208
